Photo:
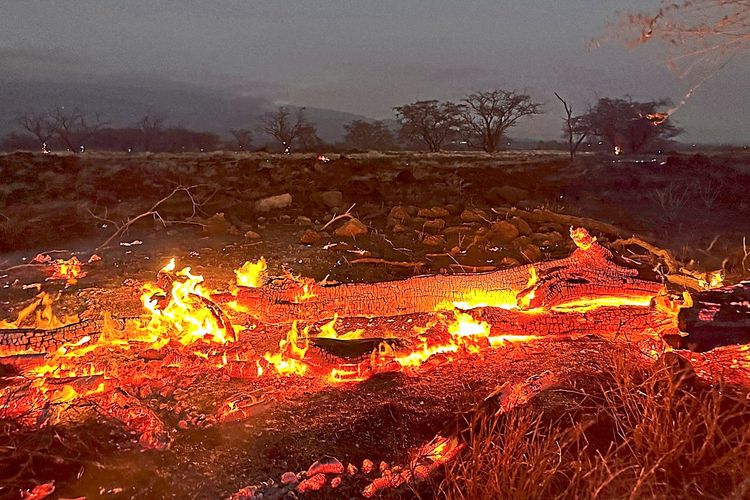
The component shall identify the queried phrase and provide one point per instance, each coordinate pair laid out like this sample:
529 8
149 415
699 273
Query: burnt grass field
616 424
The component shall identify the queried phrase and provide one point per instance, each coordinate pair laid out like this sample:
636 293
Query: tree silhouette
487 115
284 128
430 122
369 135
629 124
576 128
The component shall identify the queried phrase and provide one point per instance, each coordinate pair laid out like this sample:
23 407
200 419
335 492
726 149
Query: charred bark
717 318
586 275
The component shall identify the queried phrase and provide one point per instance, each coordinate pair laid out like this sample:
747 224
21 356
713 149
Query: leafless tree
431 122
489 114
280 125
37 124
697 32
73 127
151 127
576 128
243 139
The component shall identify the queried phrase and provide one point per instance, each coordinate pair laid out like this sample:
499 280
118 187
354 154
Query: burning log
588 275
717 317
24 340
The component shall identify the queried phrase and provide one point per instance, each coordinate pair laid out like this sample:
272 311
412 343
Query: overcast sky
365 56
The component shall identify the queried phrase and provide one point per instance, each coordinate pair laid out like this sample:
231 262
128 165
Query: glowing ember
328 331
657 119
289 359
582 238
68 270
466 326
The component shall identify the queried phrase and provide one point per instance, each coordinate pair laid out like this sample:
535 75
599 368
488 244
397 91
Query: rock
399 214
351 229
405 177
314 483
289 478
433 226
351 469
523 226
336 482
531 252
522 241
273 202
508 194
417 221
400 228
301 220
433 213
252 236
504 232
453 209
509 261
310 237
367 466
451 230
434 240
329 199
216 225
325 465
472 216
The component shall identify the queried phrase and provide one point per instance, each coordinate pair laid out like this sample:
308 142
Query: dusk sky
366 56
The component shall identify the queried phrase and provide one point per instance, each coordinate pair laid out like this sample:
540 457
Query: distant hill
122 103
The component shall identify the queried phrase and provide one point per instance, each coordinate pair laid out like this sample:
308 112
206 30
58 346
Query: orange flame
250 274
187 314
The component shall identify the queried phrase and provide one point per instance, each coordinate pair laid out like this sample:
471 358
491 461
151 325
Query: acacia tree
430 122
369 135
576 128
696 32
629 124
37 124
487 115
307 139
284 128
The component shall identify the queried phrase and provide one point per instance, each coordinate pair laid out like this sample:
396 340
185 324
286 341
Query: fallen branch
539 216
395 263
122 228
345 215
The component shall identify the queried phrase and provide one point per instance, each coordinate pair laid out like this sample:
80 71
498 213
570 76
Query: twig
335 218
395 263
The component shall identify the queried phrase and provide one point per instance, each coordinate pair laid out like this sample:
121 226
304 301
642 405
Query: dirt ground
695 206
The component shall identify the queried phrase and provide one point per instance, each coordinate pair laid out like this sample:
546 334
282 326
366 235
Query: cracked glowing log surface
35 340
588 277
628 323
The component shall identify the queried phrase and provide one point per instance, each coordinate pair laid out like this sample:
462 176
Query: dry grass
641 435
